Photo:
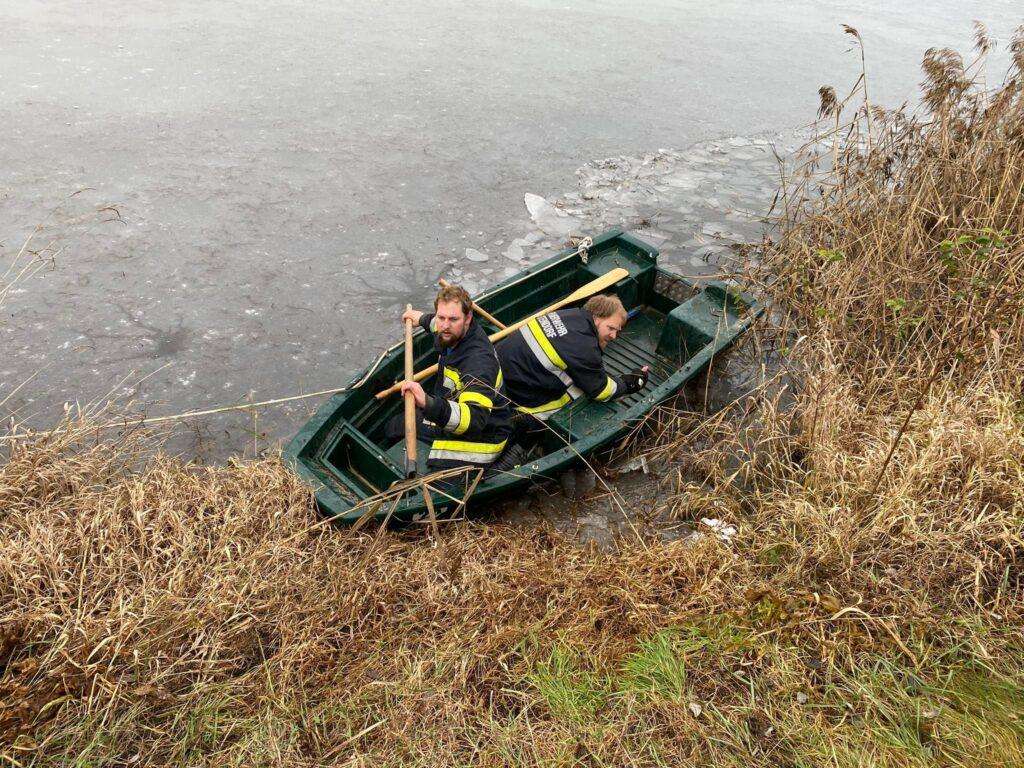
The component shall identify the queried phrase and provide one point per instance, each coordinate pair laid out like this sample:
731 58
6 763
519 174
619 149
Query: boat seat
696 322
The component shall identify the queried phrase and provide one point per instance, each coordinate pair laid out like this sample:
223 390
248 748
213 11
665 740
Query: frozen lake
286 176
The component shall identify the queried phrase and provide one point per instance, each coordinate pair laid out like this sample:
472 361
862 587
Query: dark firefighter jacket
468 406
554 359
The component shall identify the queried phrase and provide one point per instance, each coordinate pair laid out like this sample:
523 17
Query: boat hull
677 330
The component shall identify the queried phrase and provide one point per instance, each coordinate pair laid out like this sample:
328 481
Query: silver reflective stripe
546 361
455 417
470 456
545 415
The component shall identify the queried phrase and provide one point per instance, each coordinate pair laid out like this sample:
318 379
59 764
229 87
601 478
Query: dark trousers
395 429
527 429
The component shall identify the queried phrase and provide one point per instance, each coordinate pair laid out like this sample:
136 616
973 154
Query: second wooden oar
607 280
410 405
478 309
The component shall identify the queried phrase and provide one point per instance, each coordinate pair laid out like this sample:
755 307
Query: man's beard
449 342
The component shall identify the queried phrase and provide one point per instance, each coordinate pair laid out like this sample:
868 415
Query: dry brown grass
867 613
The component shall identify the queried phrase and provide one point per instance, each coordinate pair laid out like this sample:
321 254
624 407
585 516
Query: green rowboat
675 328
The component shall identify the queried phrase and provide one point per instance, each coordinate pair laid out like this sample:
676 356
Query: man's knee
395 429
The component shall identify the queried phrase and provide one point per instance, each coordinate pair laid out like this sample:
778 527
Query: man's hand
417 391
636 379
412 314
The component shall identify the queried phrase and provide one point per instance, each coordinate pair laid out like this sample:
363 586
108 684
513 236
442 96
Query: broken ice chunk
655 238
546 216
474 255
633 465
685 179
515 251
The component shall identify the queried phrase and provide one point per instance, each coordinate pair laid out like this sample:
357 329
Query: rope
210 411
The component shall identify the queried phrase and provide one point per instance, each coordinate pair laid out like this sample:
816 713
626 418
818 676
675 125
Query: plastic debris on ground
722 530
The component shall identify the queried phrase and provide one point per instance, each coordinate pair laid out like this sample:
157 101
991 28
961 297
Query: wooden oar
410 405
478 309
607 280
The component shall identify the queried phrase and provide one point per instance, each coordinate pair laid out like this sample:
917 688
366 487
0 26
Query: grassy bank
868 612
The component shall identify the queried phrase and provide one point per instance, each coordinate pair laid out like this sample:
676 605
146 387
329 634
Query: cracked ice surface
696 205
549 218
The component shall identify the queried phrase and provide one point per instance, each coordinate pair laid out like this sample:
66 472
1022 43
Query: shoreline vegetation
867 612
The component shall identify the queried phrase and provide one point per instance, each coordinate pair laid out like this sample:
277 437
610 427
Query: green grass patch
570 687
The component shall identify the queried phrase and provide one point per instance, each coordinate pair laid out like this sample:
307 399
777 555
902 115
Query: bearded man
465 417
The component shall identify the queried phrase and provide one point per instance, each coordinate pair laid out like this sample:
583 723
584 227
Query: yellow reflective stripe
608 391
463 419
472 453
554 405
542 357
545 345
467 446
476 397
456 379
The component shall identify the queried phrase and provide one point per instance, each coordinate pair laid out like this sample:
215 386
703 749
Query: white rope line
209 411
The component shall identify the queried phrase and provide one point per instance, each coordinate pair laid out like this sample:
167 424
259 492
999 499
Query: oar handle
410 403
478 309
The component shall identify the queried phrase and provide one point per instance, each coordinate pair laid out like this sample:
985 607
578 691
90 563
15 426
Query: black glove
634 381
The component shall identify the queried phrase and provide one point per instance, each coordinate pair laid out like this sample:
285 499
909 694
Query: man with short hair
466 417
558 357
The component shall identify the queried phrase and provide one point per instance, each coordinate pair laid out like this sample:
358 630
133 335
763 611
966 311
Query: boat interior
671 321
